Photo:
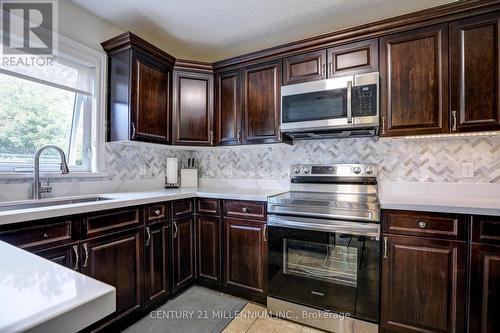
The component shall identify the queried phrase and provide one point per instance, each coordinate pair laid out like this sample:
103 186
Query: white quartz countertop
126 199
38 295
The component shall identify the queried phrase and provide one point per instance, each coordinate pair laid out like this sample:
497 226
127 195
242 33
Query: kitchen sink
49 202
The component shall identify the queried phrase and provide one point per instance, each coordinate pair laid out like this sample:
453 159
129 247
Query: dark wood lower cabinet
484 289
157 262
183 251
116 259
245 256
66 255
423 285
208 248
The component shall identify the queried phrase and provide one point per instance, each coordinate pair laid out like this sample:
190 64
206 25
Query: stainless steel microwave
343 104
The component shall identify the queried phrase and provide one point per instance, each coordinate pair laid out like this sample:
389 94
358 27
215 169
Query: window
53 104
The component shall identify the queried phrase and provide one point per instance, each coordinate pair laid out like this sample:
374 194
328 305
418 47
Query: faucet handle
46 188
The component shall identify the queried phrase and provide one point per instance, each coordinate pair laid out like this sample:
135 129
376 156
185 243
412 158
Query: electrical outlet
230 170
142 170
467 170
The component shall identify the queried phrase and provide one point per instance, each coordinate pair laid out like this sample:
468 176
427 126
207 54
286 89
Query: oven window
325 262
320 105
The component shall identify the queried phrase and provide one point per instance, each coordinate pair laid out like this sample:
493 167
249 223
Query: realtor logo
28 27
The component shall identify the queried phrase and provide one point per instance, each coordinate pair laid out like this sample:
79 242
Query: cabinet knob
244 210
45 236
422 224
157 212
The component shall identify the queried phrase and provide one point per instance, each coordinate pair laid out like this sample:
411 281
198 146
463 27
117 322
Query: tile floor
254 319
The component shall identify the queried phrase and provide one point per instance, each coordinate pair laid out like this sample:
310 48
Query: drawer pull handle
175 229
75 249
244 210
156 212
264 232
45 236
85 247
422 225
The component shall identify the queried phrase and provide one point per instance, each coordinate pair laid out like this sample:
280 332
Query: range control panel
336 170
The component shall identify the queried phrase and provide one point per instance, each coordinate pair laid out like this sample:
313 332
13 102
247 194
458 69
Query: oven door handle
333 226
349 102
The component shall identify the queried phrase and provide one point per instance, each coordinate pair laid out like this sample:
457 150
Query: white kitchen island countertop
37 295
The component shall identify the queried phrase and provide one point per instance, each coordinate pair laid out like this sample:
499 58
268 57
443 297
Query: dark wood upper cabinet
353 58
139 80
414 82
228 108
183 251
305 67
484 289
117 259
157 262
208 230
423 285
192 116
245 256
261 102
475 74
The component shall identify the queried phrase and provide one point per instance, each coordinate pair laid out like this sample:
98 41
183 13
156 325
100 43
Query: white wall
84 27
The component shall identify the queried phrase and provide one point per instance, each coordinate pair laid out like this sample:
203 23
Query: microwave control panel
365 100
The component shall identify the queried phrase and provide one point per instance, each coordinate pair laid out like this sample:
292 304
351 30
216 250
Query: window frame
94 139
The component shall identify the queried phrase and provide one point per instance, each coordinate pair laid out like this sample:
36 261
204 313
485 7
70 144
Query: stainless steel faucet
38 189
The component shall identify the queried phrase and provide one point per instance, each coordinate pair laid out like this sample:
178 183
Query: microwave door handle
349 102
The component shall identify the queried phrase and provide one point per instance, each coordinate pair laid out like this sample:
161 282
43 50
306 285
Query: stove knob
369 170
306 170
356 170
297 170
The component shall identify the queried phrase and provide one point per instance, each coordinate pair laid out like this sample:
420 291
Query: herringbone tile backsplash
408 160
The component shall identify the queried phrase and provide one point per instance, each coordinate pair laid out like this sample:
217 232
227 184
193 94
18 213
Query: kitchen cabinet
192 119
208 230
245 256
139 90
353 58
475 73
261 102
310 66
414 82
65 255
117 259
228 108
183 237
423 285
157 262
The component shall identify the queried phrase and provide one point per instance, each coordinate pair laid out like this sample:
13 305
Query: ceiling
210 30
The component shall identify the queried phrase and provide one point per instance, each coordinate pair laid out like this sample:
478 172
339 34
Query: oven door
316 105
325 264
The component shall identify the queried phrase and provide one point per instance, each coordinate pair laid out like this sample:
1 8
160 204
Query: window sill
52 175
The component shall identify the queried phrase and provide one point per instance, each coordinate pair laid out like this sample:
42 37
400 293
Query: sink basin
49 202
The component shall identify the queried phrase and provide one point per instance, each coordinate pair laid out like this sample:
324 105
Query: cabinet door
261 100
475 74
306 67
183 241
423 285
150 102
484 289
192 109
228 114
353 58
157 261
245 256
208 248
414 82
116 259
66 255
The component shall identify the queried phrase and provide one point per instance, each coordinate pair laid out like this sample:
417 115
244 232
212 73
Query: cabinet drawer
101 223
39 236
249 209
425 224
486 229
156 212
207 206
182 208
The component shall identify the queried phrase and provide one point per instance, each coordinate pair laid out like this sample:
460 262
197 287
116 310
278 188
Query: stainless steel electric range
324 248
